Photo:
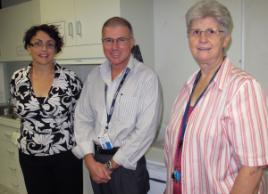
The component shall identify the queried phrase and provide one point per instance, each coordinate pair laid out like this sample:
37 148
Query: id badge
105 142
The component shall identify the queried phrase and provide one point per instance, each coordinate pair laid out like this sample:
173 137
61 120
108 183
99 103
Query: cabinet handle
12 169
78 28
11 152
15 185
70 29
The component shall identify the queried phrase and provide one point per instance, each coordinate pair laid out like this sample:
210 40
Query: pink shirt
228 128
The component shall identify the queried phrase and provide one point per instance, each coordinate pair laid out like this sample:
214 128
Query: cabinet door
9 161
14 21
10 172
80 23
61 13
2 35
90 16
3 92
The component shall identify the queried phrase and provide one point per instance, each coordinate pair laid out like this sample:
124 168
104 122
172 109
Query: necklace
185 115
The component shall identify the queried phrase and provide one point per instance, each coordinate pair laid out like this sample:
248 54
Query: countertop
155 153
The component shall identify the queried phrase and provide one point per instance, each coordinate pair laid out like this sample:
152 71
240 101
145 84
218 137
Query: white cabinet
10 173
14 21
82 19
80 22
2 85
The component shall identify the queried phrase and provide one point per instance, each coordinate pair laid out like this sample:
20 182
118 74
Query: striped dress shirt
136 114
227 129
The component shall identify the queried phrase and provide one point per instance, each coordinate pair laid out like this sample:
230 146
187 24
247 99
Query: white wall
256 40
173 61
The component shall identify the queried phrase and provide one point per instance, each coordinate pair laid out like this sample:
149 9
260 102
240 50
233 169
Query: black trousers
124 181
57 174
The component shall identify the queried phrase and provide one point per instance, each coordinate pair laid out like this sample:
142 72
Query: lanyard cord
185 114
109 115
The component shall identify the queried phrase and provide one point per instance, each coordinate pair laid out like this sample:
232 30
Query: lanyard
109 115
185 114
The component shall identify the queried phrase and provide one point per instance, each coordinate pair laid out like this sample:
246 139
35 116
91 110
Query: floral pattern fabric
46 124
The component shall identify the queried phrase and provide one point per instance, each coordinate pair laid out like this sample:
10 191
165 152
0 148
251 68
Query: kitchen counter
155 153
156 167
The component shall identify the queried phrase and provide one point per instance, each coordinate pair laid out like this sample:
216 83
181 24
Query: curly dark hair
51 30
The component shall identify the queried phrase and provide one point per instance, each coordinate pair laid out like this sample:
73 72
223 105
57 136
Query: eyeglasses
40 44
209 33
121 41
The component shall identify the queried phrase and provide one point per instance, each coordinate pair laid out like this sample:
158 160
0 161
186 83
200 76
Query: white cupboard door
90 16
2 85
60 12
14 21
3 34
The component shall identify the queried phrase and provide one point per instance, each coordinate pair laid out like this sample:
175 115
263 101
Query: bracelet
109 165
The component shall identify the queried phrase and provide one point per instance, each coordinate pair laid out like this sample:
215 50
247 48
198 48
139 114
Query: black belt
99 150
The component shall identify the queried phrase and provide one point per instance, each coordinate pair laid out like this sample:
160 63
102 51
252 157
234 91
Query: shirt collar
220 79
105 69
56 66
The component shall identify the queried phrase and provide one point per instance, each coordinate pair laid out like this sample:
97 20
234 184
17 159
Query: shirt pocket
127 108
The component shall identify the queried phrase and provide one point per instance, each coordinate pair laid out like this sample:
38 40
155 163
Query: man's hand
114 165
98 172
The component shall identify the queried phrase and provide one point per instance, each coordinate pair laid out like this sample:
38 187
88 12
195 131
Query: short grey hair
213 9
118 21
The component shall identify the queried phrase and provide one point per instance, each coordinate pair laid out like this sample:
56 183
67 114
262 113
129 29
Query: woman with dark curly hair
44 95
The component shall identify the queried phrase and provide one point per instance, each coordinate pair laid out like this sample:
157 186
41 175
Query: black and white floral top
46 124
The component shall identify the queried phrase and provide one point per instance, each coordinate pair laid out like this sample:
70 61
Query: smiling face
42 49
207 41
117 45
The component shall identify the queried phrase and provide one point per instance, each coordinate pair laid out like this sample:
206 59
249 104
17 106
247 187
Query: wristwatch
108 165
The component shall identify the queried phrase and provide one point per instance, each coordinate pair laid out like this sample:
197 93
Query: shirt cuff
77 152
121 160
83 149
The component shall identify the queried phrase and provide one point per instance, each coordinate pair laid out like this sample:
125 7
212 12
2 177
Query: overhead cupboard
14 20
80 23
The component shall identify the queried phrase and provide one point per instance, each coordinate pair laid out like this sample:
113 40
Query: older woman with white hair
217 137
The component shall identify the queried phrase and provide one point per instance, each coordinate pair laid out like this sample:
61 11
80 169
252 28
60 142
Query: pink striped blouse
227 129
